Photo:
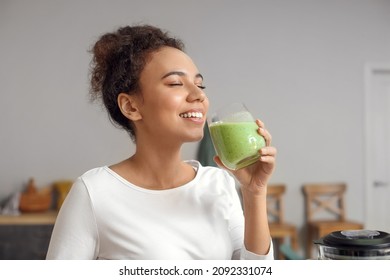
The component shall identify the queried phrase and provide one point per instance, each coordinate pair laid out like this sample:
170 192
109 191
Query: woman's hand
254 178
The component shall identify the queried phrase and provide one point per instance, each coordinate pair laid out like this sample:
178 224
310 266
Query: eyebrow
180 73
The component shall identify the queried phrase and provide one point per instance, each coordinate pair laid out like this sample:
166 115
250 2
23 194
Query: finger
218 161
267 136
263 132
268 151
268 160
268 156
260 123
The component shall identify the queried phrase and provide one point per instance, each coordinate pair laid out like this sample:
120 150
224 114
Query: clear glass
234 134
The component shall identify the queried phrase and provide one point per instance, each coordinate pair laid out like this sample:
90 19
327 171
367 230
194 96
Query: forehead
169 59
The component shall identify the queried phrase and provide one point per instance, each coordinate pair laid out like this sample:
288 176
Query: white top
106 217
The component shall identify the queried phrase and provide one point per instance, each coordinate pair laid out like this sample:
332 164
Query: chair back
325 201
275 202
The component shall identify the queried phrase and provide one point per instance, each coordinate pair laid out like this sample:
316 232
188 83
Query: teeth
192 115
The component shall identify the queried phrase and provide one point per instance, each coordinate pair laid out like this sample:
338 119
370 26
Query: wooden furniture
279 229
325 212
26 236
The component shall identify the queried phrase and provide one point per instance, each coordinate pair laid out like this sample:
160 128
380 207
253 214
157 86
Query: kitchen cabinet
26 236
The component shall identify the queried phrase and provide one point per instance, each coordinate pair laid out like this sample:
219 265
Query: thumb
218 161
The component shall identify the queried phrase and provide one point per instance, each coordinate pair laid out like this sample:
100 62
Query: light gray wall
298 65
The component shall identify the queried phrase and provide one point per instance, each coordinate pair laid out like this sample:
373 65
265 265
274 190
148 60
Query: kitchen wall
298 65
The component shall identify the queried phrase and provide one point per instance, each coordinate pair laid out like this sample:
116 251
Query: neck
159 167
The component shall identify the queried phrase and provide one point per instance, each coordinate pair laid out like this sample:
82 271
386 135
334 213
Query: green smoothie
237 144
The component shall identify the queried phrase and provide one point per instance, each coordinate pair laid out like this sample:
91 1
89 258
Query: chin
195 138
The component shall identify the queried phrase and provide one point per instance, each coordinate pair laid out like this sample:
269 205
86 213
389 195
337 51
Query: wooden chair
279 229
325 212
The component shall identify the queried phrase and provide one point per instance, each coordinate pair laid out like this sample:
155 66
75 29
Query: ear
128 104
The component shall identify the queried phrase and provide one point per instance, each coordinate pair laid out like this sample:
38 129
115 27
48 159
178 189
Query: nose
196 94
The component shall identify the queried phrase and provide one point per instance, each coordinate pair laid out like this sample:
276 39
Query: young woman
154 205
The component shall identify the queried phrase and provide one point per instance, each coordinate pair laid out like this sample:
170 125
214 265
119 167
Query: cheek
206 104
163 106
174 102
168 101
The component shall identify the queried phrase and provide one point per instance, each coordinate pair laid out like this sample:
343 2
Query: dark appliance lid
358 239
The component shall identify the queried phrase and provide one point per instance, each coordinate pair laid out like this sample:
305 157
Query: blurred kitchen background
317 72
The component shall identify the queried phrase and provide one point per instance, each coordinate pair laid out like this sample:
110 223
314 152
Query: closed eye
180 84
175 84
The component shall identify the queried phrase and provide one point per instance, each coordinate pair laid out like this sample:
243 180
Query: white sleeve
75 233
247 255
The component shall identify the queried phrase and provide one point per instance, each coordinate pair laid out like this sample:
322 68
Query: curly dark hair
118 60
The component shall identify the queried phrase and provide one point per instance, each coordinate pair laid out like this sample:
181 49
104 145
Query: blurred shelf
37 218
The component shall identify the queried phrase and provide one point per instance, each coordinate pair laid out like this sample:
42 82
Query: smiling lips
197 115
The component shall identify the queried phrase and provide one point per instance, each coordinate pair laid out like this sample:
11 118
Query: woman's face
173 105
